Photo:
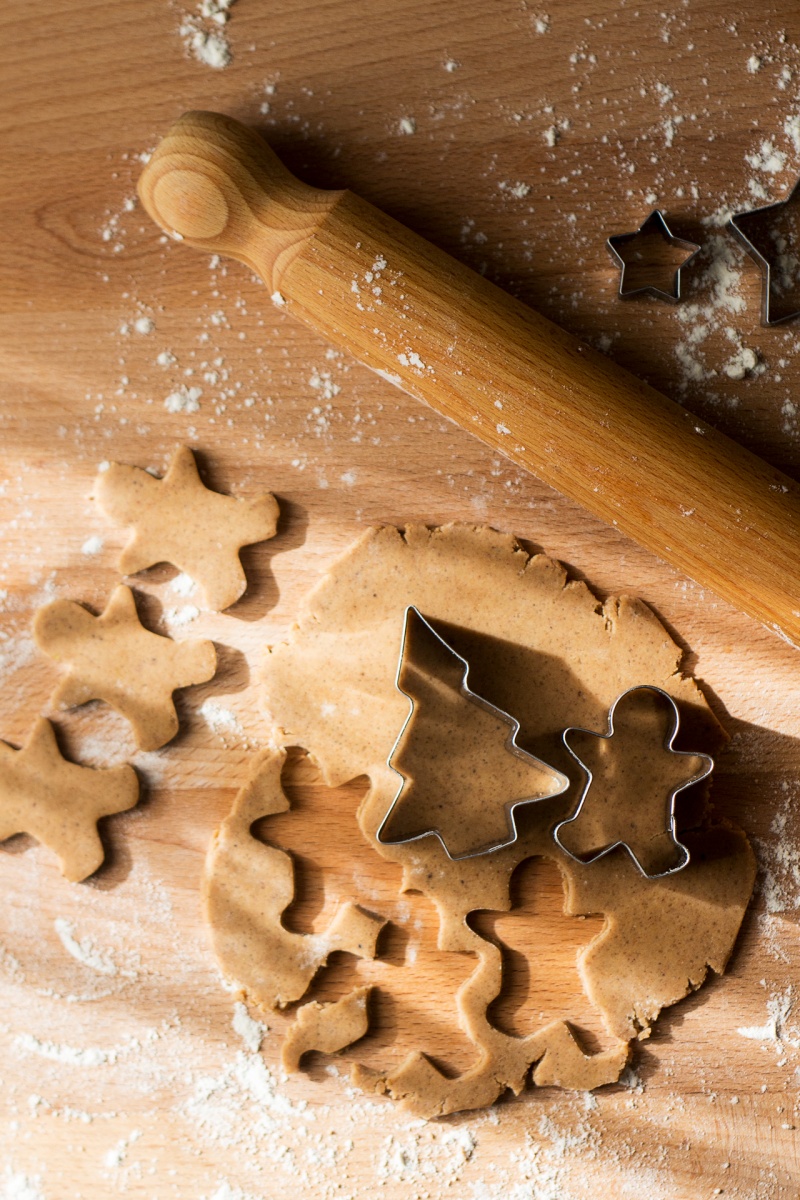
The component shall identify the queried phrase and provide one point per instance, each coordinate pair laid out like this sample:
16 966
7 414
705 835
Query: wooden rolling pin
525 387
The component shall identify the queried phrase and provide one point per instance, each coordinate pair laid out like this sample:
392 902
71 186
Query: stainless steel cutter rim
692 248
510 745
764 263
671 796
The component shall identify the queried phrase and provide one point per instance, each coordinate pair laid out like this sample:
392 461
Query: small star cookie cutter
670 796
658 222
738 224
562 782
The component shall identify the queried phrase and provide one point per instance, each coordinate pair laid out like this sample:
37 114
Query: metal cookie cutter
655 223
787 260
669 828
416 627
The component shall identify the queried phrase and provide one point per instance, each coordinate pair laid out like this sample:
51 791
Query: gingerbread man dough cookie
179 520
58 802
114 658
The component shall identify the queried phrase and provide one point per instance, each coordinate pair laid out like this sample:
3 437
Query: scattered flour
61 1053
760 1033
16 1186
92 546
183 585
15 653
250 1031
518 190
84 950
407 125
203 33
776 1029
220 720
227 1192
116 1156
791 127
744 361
780 856
185 399
178 617
767 158
720 280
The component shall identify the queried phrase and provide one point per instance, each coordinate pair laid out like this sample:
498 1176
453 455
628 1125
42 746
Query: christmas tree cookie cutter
440 820
638 836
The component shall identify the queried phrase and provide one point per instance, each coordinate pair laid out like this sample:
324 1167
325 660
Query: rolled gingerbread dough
545 650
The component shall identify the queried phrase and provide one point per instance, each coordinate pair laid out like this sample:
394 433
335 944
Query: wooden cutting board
517 137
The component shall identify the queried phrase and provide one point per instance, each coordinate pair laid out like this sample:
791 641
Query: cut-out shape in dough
179 520
547 651
463 773
247 886
114 658
59 802
326 1027
633 776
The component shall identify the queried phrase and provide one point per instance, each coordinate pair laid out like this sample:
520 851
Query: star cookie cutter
659 224
738 225
414 618
670 796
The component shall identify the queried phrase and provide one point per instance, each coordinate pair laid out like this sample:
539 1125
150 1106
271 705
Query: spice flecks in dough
633 775
517 620
114 658
58 802
463 774
326 1027
179 520
247 887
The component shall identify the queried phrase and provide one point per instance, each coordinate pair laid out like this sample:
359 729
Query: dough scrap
632 776
462 774
326 1027
114 658
247 886
59 802
179 520
548 652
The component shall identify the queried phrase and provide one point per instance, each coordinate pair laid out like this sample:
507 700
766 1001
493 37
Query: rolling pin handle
217 185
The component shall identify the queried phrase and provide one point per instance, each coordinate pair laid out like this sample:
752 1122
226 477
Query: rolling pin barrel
525 387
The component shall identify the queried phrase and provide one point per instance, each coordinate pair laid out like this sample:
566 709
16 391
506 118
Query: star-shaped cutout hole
633 776
651 259
58 802
114 658
771 236
179 520
463 774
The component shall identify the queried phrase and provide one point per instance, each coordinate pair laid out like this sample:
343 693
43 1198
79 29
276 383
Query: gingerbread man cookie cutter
670 795
415 623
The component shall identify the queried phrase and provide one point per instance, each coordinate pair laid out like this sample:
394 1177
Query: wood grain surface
121 1071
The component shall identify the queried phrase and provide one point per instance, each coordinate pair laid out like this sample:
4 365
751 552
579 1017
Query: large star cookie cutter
432 815
780 270
645 828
